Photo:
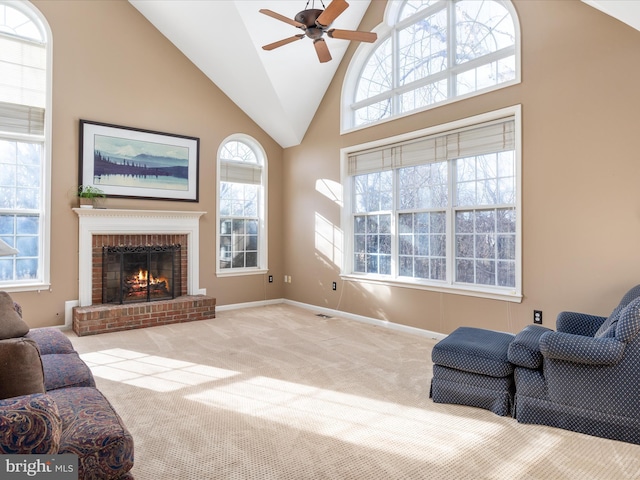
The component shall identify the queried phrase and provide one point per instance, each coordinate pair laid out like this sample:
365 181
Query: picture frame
135 163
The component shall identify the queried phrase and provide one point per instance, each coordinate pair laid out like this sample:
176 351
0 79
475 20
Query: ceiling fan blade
282 18
322 50
356 35
285 41
333 11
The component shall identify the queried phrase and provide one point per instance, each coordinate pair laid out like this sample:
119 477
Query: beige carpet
279 393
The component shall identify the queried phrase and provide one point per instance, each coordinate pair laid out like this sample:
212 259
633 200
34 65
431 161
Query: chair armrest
579 323
30 424
581 349
524 350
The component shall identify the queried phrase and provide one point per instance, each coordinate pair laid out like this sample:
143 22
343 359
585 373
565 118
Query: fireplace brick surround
108 227
105 318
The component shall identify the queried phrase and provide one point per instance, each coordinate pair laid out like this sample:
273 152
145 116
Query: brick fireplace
100 228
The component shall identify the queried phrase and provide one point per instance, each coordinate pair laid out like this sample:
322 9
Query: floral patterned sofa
49 403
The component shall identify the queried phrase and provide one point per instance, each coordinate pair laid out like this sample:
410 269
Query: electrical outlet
270 278
334 286
537 317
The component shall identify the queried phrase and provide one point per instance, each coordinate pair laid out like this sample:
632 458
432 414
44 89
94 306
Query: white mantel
110 221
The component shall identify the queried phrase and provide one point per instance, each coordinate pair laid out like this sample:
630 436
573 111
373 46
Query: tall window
24 144
241 207
435 51
438 209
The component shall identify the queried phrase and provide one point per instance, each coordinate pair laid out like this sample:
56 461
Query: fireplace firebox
138 273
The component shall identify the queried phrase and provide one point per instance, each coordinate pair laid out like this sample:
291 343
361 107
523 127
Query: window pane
373 191
411 7
424 96
419 244
373 113
238 152
377 74
422 186
478 247
422 49
372 244
481 28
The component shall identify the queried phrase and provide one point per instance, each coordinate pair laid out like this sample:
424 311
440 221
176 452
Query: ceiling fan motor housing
308 18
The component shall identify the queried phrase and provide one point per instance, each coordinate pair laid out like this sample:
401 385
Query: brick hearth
105 318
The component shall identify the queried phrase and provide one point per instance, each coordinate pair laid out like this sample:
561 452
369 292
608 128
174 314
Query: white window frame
263 263
43 282
510 294
387 29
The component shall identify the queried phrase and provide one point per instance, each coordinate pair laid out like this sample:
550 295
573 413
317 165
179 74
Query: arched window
25 113
431 52
241 207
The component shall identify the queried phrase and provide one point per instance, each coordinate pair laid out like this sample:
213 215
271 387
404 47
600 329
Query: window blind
21 119
239 172
489 137
22 85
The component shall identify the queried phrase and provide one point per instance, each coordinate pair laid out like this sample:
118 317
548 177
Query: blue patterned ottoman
470 367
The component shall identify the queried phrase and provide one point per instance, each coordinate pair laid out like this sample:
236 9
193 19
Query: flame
144 279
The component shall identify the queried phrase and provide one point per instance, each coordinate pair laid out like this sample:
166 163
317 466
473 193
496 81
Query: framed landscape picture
129 162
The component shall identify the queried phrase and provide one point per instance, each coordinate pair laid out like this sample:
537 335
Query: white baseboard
237 306
338 313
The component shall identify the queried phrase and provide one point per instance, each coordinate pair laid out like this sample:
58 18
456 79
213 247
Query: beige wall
581 169
581 209
111 65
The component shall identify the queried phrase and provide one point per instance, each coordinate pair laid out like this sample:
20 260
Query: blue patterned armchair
585 376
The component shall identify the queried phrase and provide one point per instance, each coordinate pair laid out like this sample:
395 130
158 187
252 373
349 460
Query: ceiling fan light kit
315 23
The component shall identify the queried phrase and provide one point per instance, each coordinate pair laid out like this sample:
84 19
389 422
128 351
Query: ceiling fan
315 23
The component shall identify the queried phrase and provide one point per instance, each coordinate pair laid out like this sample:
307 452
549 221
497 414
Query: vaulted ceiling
279 89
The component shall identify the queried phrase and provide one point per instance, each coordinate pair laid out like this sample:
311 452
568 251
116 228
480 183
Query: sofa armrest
579 323
524 350
30 424
580 349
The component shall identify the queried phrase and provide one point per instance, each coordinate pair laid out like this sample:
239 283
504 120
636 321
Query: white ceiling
281 89
627 11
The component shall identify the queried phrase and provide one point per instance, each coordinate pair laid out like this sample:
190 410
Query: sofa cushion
62 370
93 430
11 325
29 424
21 371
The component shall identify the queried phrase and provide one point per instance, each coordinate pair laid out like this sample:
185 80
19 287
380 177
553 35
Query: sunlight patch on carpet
152 372
358 420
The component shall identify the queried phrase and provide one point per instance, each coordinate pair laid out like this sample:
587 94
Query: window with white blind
438 209
241 207
25 100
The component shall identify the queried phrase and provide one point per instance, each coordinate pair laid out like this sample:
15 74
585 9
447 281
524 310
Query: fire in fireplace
140 273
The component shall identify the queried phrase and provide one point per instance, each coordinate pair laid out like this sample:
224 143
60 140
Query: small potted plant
88 195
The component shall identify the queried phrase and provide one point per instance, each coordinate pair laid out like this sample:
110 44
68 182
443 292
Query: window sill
31 287
508 295
238 272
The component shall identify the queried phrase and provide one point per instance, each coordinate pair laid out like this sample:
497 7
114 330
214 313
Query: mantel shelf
121 212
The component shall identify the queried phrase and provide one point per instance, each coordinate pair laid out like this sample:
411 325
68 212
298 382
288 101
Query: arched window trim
44 279
387 29
261 155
